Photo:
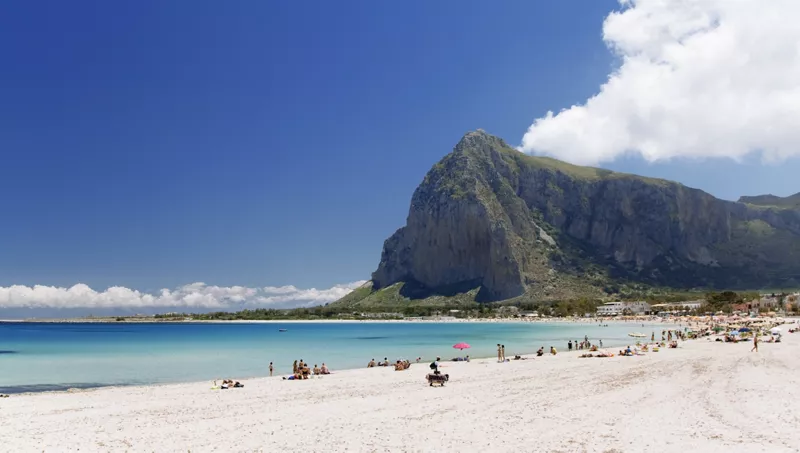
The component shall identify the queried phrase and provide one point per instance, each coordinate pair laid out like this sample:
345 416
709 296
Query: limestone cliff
489 217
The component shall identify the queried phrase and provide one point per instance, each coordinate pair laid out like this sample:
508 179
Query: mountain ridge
489 218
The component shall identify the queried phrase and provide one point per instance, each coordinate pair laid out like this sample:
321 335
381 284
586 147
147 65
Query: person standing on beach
499 353
294 367
569 345
652 336
755 343
270 369
503 352
601 343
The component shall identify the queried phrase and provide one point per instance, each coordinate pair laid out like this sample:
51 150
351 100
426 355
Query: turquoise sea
40 356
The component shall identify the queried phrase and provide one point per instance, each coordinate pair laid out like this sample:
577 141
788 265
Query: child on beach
270 369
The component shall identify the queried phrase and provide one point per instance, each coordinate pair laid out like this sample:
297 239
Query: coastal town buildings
619 308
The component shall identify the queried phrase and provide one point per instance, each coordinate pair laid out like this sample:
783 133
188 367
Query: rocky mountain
500 224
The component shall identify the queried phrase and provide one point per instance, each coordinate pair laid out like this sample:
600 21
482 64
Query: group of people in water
585 344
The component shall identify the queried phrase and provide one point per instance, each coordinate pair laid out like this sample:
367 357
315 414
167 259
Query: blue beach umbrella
735 332
744 329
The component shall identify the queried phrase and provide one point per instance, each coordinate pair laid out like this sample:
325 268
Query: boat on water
637 335
283 330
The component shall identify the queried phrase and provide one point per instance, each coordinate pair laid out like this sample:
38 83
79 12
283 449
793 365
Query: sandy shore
704 396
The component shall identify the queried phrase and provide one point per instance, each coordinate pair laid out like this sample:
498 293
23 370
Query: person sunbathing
540 352
406 364
399 366
371 364
324 369
316 370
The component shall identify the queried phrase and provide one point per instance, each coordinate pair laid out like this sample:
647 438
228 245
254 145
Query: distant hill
489 223
790 202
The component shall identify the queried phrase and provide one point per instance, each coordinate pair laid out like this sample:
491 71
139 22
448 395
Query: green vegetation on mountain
772 201
489 223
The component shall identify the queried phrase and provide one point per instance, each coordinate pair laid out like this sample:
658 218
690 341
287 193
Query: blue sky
153 144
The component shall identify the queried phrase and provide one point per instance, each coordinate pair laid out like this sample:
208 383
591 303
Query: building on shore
676 307
624 308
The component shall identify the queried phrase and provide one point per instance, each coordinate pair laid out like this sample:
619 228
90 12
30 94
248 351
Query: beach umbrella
734 332
744 329
775 330
461 346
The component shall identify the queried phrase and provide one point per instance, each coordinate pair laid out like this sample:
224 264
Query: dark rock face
481 216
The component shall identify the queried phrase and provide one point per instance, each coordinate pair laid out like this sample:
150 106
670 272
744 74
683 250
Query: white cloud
697 78
192 296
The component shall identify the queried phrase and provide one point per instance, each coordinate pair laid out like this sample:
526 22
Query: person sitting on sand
385 361
229 383
467 358
553 351
540 352
399 366
371 364
324 369
316 370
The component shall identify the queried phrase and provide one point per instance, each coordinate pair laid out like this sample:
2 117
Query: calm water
58 356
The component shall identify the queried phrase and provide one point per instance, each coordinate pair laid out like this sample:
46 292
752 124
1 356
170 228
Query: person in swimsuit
270 369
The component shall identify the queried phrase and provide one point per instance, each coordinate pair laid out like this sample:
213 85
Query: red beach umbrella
461 346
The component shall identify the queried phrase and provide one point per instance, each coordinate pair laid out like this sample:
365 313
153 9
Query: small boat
637 335
283 330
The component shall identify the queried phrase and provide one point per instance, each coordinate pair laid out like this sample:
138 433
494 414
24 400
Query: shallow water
41 357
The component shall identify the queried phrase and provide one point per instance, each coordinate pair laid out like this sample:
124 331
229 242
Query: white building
618 308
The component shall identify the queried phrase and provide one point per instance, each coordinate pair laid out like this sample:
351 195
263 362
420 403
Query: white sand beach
704 396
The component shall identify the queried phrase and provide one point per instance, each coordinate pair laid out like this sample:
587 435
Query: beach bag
433 365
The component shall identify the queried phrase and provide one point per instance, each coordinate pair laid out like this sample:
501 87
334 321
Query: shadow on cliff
413 289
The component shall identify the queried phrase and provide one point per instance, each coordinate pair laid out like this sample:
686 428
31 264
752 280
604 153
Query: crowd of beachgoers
727 329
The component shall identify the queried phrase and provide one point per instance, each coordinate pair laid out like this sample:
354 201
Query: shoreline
651 319
703 396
